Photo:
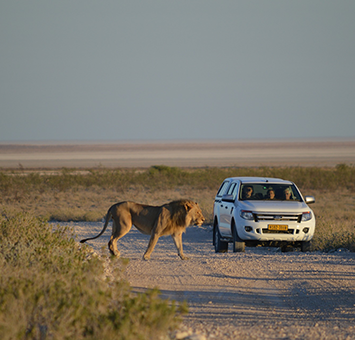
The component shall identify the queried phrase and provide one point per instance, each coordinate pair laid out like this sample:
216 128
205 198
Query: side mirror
309 199
228 198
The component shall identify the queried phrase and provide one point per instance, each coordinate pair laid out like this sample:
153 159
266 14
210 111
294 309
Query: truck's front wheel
238 244
305 246
219 245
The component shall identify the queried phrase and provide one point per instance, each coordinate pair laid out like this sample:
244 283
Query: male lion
169 219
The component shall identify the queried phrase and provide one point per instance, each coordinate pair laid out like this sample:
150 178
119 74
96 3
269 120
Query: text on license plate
277 227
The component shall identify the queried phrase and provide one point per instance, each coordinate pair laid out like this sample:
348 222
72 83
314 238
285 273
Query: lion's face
196 215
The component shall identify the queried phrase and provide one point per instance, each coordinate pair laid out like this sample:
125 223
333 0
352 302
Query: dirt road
259 294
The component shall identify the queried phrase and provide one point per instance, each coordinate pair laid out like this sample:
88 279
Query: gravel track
260 294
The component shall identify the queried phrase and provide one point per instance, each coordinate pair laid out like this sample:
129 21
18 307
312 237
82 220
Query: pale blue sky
187 69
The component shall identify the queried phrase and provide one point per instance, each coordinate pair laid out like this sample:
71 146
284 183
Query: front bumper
267 231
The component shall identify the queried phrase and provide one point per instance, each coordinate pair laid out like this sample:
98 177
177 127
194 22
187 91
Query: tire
238 244
287 248
306 246
219 245
215 225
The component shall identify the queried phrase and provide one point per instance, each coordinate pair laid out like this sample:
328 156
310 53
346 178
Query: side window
222 188
235 191
231 189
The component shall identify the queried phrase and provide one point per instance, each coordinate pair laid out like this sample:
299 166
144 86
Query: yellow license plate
277 227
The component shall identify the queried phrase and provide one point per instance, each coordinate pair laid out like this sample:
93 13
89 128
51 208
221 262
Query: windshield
269 192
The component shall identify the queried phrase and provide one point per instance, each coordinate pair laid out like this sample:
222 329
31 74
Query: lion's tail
108 217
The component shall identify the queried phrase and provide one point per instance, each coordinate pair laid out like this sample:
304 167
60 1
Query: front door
226 210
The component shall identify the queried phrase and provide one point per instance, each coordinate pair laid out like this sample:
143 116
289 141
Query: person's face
248 192
287 194
271 194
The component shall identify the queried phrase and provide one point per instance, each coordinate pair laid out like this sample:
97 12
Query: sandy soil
183 154
259 294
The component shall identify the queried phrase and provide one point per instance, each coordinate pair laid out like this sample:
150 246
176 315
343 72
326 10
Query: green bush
51 288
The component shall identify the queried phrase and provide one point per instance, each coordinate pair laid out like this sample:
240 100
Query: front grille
272 217
267 231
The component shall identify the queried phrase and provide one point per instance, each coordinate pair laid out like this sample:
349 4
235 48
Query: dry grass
86 195
92 204
335 214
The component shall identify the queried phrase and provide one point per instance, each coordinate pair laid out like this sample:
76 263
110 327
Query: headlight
247 215
306 216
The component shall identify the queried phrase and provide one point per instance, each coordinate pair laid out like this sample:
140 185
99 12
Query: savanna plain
53 288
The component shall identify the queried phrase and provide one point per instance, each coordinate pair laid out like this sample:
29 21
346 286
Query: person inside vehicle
287 194
270 195
247 192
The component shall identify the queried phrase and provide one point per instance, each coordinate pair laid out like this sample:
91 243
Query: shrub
51 288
